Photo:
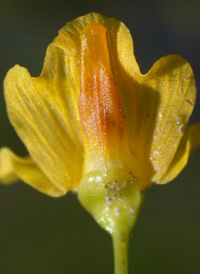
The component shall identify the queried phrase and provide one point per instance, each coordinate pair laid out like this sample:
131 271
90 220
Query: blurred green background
42 235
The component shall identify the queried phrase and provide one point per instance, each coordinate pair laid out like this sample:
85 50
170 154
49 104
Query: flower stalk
120 246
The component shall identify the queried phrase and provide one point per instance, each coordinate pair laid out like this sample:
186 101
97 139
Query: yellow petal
157 108
173 79
120 43
190 141
38 112
7 173
14 168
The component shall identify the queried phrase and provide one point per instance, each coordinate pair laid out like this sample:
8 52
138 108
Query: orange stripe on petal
100 107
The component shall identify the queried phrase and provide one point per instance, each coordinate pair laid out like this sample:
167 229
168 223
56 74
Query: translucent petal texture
47 125
190 141
173 80
157 107
13 168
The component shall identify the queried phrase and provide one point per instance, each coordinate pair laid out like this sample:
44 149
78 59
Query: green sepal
112 198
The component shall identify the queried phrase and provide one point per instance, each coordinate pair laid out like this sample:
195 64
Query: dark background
43 235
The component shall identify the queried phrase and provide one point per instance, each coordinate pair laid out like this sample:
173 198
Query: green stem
120 245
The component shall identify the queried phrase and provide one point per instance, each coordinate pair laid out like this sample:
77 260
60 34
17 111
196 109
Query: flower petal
14 168
44 110
46 124
190 141
173 80
120 45
157 108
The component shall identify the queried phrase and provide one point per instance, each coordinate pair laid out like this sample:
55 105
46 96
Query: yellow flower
91 109
92 123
